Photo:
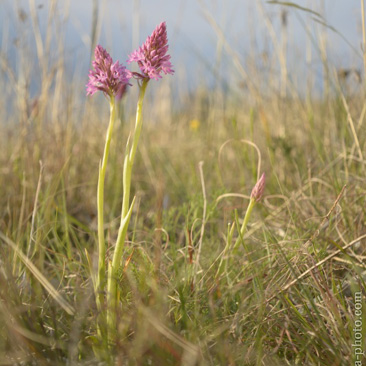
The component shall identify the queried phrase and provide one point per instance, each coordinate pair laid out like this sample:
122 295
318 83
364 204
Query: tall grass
286 296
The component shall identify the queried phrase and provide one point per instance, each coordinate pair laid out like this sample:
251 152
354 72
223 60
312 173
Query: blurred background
211 42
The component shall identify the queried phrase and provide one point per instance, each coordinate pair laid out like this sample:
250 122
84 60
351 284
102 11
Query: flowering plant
112 79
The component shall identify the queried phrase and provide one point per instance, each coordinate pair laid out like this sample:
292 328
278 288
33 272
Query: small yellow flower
194 124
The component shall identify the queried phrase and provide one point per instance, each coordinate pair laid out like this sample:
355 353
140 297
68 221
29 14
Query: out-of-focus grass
175 311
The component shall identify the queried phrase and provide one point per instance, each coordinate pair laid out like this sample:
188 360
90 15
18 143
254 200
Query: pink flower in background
257 191
111 78
152 56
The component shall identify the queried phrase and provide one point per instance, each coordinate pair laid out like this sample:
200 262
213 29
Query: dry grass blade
31 236
200 166
322 225
324 222
233 54
296 6
243 141
352 126
308 271
40 277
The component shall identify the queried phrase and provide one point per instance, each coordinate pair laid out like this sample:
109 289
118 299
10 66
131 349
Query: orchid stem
100 282
129 160
244 225
112 299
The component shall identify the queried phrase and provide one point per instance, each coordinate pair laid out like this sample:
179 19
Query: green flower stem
100 282
112 299
129 160
112 275
244 225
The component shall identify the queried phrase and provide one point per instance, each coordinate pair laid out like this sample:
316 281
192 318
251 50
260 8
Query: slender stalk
112 299
244 225
100 283
127 168
112 276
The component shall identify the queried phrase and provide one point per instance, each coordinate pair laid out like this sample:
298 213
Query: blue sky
193 42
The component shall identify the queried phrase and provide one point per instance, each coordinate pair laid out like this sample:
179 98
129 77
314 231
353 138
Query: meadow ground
292 294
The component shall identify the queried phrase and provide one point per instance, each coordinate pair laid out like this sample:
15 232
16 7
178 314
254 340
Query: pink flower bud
257 191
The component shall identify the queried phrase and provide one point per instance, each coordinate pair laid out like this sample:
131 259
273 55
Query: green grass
171 314
175 310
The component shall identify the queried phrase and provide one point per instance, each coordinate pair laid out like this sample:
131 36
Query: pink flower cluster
112 78
152 56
